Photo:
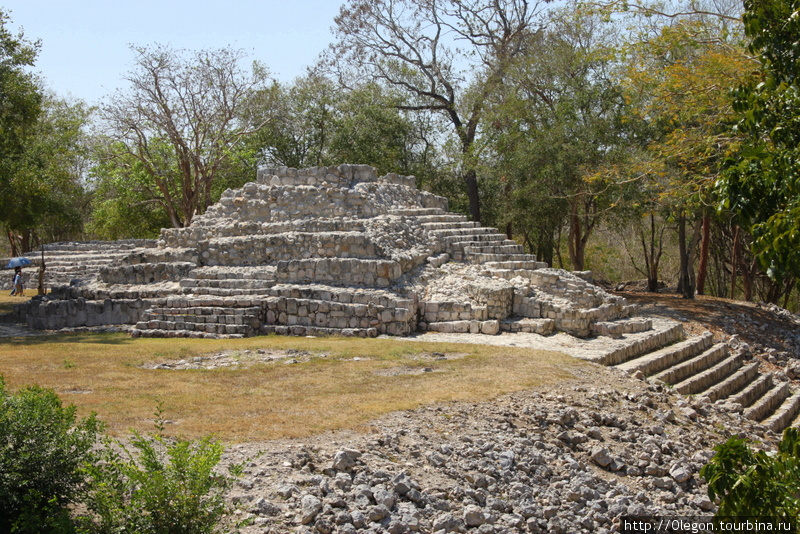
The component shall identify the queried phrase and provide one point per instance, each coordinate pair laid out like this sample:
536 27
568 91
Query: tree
42 451
762 180
181 120
678 79
448 56
555 126
300 126
20 107
47 179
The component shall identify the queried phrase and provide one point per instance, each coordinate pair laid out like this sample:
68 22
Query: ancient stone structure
340 250
331 250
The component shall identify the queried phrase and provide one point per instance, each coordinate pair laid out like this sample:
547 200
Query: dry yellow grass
103 373
7 302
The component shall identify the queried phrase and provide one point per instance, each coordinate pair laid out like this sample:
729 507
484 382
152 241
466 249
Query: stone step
444 233
734 383
784 414
209 328
260 272
157 333
508 248
481 258
451 225
443 218
542 327
444 311
754 391
681 371
222 292
474 239
344 271
655 361
225 283
209 313
637 350
417 212
766 405
618 328
347 295
510 265
489 327
702 381
289 311
316 331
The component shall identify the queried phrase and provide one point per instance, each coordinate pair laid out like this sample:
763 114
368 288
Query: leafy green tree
47 179
446 56
369 128
123 202
300 126
42 450
762 182
756 483
557 124
20 107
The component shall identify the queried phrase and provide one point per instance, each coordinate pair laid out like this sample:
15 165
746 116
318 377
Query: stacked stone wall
47 314
267 249
146 273
340 272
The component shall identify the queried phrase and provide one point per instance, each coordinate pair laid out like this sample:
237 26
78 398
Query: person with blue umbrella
17 288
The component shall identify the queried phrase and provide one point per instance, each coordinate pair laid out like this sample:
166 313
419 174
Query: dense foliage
762 184
752 483
156 486
50 461
42 451
589 131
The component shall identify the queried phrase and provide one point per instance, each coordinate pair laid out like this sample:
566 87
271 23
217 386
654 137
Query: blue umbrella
18 262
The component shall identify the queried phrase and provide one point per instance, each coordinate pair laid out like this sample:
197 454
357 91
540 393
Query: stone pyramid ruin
342 251
329 250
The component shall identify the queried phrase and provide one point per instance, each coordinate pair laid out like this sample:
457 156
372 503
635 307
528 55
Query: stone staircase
698 366
70 261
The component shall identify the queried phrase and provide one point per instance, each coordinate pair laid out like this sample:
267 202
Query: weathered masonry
328 250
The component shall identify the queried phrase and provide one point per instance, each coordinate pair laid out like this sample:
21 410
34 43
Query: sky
85 43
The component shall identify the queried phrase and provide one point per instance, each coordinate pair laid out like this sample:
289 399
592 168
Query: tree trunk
651 257
13 243
576 255
471 181
734 262
687 247
702 268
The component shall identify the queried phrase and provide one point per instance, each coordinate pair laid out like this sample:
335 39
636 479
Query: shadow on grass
82 337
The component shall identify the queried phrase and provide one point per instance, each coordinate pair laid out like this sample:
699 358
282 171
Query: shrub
756 483
157 486
42 450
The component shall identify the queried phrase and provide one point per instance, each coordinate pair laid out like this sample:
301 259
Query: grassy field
344 384
7 302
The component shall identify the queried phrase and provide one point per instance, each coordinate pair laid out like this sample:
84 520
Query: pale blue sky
85 42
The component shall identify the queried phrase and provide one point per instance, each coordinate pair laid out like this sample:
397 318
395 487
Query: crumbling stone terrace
328 250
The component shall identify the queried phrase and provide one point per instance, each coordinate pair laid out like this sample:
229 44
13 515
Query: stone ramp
698 366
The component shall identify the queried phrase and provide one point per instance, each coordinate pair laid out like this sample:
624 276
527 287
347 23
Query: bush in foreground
756 483
50 462
42 450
